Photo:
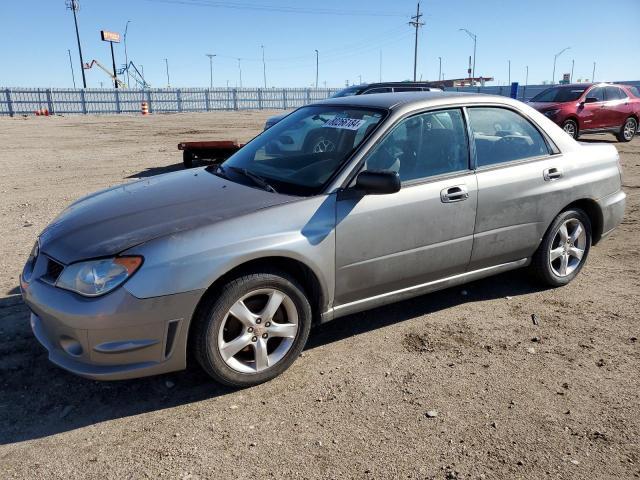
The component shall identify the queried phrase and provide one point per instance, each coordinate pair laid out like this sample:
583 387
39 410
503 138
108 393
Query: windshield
347 92
560 94
299 154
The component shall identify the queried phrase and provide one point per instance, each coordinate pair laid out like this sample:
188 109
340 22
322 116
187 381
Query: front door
591 112
422 233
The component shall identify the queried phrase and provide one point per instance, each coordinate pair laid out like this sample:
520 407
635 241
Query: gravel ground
457 384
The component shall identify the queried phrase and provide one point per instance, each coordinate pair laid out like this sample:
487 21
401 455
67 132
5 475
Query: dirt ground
560 399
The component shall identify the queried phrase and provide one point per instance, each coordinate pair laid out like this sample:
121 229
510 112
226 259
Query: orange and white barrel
145 108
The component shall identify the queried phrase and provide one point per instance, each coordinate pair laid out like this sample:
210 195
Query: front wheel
571 128
628 130
564 249
253 329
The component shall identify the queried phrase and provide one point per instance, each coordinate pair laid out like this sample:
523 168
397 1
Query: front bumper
113 337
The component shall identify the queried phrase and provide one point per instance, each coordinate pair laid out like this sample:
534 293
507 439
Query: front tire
252 329
571 128
564 249
628 130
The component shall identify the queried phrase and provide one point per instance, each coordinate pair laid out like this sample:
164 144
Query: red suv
592 108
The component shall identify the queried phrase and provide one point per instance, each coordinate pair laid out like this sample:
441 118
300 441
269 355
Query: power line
276 8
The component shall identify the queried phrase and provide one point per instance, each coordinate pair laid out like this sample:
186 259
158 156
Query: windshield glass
559 94
299 154
347 92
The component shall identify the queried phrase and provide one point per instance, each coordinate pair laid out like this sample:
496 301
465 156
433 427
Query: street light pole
210 55
264 67
573 62
593 74
474 37
166 63
439 68
240 70
126 56
73 75
509 74
555 57
317 67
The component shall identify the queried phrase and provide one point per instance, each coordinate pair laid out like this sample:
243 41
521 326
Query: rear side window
502 135
634 91
614 93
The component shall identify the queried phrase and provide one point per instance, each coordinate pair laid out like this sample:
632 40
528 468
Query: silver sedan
383 197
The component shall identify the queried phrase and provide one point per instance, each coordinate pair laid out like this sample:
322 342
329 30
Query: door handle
550 174
457 193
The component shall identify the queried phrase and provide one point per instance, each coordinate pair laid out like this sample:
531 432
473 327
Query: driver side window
422 146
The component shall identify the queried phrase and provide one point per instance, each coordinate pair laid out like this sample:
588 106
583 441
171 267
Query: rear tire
187 159
571 128
564 249
252 329
628 130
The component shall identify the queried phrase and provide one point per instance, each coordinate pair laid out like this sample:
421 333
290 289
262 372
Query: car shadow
38 399
153 171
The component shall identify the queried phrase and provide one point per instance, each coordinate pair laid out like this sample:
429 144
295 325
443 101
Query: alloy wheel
258 330
629 129
568 247
570 128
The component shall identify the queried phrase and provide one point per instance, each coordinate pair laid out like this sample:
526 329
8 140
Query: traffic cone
144 108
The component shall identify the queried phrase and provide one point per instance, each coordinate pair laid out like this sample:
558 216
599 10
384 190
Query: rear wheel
628 130
571 128
253 329
564 249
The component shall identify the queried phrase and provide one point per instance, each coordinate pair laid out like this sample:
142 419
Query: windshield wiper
257 179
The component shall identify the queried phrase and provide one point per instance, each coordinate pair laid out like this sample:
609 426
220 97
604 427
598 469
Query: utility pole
439 68
555 57
360 79
593 74
210 55
126 56
474 37
73 76
380 68
416 23
573 63
240 70
166 64
509 73
264 67
526 77
317 66
74 6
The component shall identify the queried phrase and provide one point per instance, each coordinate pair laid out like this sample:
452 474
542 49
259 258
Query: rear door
522 184
616 107
424 232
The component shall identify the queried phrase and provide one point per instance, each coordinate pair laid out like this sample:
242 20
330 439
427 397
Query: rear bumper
114 337
612 207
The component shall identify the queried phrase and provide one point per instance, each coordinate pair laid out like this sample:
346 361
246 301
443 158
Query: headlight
97 277
552 113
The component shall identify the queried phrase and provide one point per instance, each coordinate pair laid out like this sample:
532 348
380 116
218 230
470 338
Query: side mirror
378 182
591 100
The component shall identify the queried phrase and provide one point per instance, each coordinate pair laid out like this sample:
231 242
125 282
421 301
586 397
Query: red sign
109 36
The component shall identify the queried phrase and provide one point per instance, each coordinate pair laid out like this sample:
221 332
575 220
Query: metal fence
26 101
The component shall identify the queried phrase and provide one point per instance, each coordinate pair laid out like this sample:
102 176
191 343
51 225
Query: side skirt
417 290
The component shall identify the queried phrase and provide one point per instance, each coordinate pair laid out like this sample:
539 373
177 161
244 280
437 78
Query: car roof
394 100
392 84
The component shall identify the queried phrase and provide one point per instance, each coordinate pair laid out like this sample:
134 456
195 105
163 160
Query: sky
357 40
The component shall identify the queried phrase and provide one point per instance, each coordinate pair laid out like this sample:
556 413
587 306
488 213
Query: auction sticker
345 123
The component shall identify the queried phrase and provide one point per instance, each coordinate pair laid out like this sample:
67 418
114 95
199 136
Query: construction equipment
88 66
134 73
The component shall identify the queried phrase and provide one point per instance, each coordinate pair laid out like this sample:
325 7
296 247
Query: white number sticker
345 123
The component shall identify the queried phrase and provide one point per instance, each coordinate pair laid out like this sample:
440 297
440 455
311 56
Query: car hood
544 106
113 220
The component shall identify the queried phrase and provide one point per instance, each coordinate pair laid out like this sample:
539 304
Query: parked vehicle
592 108
211 150
234 263
366 89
